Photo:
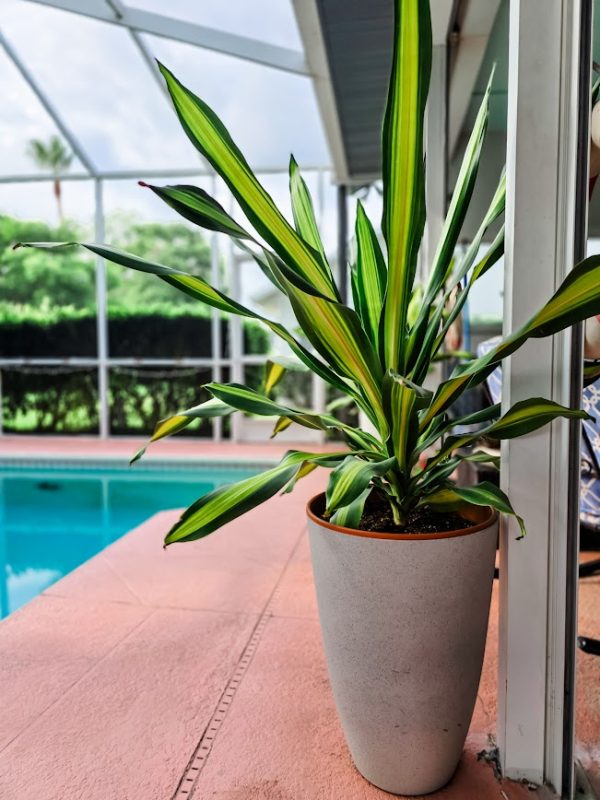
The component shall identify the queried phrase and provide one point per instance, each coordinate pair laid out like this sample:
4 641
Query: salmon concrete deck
198 672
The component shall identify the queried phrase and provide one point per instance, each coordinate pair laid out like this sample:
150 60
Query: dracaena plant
374 351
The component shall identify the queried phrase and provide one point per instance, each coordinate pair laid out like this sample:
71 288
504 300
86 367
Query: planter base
404 622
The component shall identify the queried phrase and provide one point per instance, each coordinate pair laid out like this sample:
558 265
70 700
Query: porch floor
198 672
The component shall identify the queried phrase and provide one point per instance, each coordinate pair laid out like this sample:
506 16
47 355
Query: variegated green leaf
403 167
461 197
304 213
197 206
369 276
495 209
282 424
335 332
577 299
426 327
481 457
248 400
351 478
524 417
208 134
424 345
229 502
442 424
451 498
252 402
167 427
402 403
491 257
350 516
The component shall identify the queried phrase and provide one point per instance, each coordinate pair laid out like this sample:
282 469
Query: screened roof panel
22 118
269 113
270 21
96 78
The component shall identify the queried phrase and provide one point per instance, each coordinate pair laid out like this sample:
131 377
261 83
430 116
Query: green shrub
139 332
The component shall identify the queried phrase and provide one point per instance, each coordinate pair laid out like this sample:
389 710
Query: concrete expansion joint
189 780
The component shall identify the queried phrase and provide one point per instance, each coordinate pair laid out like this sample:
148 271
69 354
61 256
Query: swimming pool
56 515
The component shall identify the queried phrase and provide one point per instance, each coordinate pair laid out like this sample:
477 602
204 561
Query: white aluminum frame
535 579
231 44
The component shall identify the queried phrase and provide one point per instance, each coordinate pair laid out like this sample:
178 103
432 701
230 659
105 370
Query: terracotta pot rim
489 519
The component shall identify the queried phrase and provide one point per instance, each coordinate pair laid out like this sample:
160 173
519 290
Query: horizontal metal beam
179 30
128 362
131 174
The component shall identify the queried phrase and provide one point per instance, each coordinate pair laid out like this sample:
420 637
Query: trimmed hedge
165 332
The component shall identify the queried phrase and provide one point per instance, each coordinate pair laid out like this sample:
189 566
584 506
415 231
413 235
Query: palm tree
52 155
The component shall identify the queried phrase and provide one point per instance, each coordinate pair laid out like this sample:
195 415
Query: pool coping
155 462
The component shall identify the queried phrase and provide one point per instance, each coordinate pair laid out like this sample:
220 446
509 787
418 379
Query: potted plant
403 558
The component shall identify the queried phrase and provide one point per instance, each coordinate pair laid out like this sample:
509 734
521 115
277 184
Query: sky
94 74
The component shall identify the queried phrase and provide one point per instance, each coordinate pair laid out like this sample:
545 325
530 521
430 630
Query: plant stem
397 514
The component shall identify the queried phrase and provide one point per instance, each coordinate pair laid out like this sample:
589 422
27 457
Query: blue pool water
55 517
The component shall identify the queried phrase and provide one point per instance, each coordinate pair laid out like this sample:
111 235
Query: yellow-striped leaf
452 498
461 197
577 299
208 134
197 206
403 168
443 258
351 478
304 214
369 276
275 369
524 417
167 427
402 402
335 332
248 400
229 502
350 516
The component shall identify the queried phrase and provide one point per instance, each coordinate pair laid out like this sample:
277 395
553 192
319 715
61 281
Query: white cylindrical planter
404 621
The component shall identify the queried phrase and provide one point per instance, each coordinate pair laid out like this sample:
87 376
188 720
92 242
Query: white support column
543 129
215 328
215 321
101 315
236 335
436 150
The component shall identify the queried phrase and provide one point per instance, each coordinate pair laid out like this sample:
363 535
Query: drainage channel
189 780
